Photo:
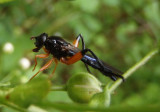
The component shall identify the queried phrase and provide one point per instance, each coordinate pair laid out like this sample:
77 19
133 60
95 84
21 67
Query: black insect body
69 54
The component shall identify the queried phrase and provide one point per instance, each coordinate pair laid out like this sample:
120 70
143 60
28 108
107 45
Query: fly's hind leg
87 68
76 44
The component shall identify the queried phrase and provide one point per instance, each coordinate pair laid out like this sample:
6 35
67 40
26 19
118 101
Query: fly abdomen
104 68
90 61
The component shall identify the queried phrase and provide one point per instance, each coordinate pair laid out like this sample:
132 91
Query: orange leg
56 62
45 50
72 59
43 68
40 56
76 42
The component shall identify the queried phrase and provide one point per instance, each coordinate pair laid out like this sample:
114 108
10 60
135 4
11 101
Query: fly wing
114 70
71 50
90 60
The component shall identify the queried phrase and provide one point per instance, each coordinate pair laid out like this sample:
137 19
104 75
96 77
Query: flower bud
82 87
8 48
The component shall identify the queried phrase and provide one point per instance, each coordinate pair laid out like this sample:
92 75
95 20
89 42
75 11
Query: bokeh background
120 32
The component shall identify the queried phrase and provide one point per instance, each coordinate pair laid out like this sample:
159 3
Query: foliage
120 32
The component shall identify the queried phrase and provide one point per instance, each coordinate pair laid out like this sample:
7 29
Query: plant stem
77 107
134 68
12 105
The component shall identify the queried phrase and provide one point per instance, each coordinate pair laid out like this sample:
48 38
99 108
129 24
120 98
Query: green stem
134 68
59 88
12 105
77 107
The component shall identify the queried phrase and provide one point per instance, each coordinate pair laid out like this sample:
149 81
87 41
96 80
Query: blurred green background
120 32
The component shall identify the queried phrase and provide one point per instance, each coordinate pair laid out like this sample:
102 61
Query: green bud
30 93
82 86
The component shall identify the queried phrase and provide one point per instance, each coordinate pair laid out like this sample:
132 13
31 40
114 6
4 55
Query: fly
67 53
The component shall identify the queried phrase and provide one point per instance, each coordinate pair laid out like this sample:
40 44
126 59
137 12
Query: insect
68 53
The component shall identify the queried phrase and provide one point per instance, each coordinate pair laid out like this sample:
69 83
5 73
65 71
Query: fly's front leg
40 56
47 65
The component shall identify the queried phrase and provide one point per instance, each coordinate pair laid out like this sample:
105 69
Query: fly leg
78 56
56 62
47 65
76 44
40 56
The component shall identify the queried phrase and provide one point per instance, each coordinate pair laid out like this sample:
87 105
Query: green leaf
112 2
124 30
90 6
92 23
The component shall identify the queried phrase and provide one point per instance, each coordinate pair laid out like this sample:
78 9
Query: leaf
111 2
90 6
